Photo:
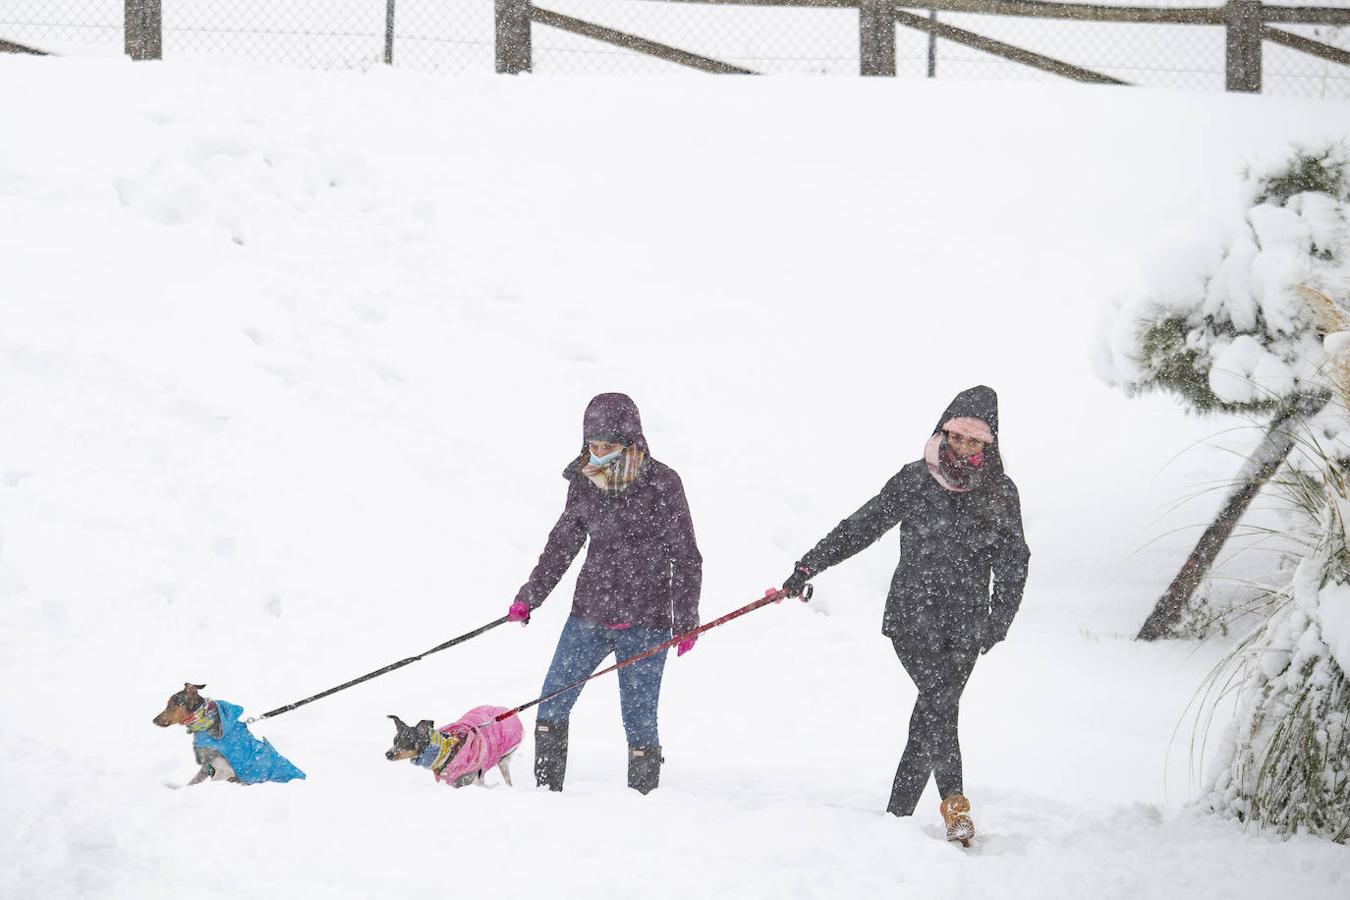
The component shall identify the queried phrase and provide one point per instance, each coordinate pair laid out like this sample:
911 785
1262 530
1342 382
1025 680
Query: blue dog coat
254 761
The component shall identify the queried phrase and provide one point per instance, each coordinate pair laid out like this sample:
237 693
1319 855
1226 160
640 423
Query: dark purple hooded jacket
643 566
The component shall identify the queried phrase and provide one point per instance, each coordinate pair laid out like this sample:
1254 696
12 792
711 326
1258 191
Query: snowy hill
290 363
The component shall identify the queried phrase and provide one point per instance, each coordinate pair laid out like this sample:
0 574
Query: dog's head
180 707
409 740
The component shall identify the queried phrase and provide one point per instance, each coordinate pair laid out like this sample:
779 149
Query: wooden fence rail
632 42
11 47
1306 45
1000 49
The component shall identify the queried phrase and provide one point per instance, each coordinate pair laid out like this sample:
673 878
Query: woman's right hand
796 582
519 612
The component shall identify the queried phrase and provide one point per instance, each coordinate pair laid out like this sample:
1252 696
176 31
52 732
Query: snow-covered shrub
1285 762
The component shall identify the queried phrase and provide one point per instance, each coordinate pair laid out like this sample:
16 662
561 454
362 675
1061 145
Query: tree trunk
1281 435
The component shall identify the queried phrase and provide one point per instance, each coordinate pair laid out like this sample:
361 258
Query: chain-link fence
454 36
1176 56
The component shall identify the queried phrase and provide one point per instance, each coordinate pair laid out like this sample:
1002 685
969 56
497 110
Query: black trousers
933 748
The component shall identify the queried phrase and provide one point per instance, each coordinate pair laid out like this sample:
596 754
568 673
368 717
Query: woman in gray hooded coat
963 564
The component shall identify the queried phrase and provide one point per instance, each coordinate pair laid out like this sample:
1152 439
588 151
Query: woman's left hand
685 646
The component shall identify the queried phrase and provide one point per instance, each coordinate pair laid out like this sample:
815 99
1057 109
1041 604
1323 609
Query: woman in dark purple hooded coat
963 564
638 586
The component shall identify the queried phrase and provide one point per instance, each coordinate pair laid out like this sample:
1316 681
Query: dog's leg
224 771
504 766
205 759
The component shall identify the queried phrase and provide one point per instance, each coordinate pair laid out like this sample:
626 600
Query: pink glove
519 612
685 646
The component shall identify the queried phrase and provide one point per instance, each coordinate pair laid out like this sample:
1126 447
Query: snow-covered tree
1235 323
1221 324
1256 323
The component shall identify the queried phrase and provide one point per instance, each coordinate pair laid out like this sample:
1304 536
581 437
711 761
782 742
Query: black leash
389 668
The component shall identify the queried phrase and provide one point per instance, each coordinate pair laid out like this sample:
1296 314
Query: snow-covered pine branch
1219 323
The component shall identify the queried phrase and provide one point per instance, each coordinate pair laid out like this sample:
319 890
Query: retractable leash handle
389 668
772 595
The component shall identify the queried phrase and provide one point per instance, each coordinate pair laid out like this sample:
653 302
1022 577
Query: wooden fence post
142 32
1244 25
514 49
389 32
876 36
932 46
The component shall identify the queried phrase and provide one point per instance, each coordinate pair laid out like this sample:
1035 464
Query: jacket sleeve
860 530
1010 566
686 576
564 543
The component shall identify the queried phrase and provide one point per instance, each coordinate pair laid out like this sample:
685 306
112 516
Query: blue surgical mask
607 458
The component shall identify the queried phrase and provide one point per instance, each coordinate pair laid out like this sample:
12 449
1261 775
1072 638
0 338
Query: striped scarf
618 475
206 717
438 752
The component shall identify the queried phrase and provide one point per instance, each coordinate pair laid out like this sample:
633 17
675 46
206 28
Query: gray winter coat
963 556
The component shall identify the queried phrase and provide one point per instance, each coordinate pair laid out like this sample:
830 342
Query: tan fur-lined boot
956 813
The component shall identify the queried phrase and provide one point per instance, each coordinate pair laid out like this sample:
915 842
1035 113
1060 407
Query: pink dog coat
483 742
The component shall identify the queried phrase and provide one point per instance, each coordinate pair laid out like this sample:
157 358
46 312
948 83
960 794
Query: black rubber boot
644 768
550 754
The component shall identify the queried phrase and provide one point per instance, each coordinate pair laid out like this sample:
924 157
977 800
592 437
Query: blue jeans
581 648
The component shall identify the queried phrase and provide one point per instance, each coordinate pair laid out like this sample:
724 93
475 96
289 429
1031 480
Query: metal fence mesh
785 41
448 36
456 36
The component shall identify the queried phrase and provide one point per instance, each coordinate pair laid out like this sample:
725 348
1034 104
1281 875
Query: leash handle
770 596
389 668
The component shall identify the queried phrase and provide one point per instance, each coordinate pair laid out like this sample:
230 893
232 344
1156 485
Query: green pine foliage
1322 171
1171 362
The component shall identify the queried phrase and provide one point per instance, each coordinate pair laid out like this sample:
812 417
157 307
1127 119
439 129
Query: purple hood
614 416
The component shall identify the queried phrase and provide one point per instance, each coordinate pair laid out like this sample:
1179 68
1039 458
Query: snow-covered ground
289 364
